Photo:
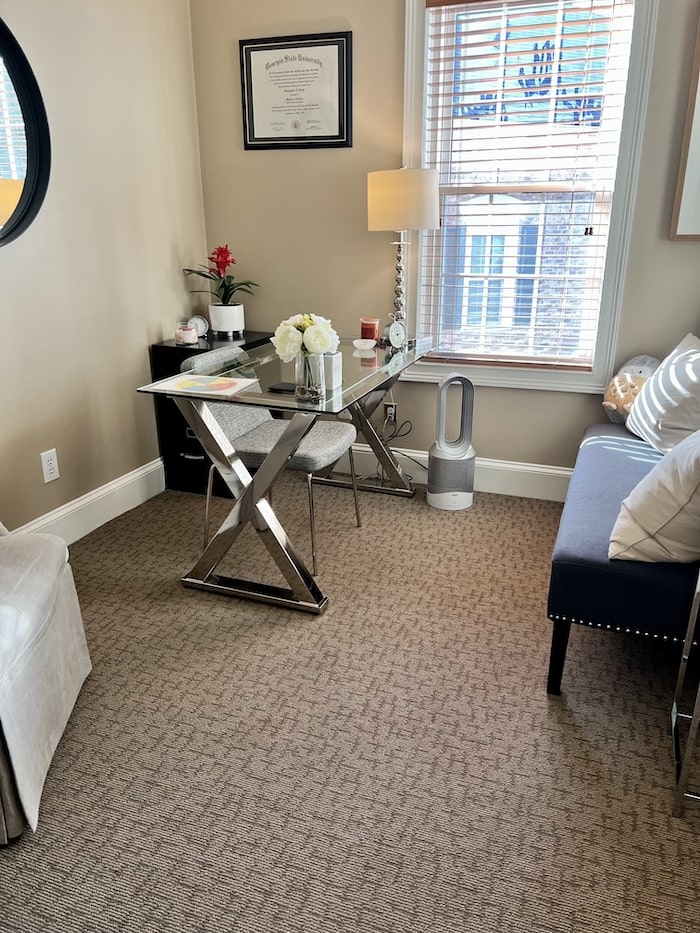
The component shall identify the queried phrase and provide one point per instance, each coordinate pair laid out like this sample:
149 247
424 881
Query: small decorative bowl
363 344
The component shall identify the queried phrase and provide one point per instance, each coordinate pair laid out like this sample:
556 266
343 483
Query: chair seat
44 660
325 443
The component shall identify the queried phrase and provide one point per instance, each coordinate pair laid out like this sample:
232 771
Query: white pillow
667 408
660 519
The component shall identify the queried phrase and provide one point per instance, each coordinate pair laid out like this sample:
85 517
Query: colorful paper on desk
220 386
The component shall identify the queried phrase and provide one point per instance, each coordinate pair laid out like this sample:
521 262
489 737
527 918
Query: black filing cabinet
186 464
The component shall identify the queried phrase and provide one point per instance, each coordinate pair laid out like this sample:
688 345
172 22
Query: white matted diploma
297 91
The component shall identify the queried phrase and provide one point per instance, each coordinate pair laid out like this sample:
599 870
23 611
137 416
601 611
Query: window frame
629 159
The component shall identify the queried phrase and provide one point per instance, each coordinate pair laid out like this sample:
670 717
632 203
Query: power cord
400 430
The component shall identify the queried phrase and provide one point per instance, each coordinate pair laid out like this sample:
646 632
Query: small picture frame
297 91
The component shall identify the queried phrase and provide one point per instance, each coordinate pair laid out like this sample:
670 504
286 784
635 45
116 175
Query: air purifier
451 463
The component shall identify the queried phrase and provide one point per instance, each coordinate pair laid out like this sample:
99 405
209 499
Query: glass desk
367 377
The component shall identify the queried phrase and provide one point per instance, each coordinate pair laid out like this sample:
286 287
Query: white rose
320 337
287 342
333 338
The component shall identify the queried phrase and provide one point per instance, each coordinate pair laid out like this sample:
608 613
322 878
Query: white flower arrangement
309 333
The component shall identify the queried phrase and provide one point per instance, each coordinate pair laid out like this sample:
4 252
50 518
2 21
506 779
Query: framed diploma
297 91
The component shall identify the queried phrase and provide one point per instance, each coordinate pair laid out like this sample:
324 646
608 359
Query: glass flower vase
309 377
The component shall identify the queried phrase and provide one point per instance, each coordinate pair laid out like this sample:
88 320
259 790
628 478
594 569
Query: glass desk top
260 368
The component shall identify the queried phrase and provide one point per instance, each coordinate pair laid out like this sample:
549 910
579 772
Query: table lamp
401 200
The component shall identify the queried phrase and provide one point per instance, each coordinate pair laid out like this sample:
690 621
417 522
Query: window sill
508 377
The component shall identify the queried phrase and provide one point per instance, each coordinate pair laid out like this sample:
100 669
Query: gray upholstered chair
254 432
44 660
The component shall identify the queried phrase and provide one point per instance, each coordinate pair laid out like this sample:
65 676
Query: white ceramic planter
227 319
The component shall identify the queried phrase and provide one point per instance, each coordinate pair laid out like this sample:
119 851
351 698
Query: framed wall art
297 91
685 221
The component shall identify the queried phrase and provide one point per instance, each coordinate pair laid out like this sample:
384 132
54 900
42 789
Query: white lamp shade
403 199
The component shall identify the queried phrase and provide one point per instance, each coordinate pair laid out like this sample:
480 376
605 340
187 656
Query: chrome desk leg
360 412
682 761
252 507
398 484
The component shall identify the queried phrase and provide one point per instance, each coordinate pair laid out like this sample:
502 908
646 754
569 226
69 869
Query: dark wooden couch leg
557 655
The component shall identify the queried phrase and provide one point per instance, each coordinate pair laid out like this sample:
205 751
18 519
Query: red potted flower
225 315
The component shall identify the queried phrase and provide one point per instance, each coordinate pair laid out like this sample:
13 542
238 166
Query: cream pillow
667 408
660 519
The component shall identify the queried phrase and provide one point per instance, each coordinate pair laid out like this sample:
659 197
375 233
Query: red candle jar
369 328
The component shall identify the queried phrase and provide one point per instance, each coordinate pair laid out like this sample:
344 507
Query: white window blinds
13 158
522 118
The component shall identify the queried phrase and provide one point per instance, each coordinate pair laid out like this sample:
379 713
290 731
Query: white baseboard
507 478
83 515
78 518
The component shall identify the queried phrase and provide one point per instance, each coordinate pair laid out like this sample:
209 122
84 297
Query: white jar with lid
185 333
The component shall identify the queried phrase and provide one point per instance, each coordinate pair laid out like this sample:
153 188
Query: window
530 111
13 148
25 150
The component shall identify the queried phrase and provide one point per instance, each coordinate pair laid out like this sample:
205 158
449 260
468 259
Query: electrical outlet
390 412
49 465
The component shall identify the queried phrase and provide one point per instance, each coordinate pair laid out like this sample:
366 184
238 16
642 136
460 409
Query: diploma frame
297 91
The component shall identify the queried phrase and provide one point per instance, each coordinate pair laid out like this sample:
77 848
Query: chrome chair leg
310 489
354 485
312 522
210 493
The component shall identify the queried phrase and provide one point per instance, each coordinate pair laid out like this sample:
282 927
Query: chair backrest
212 361
235 420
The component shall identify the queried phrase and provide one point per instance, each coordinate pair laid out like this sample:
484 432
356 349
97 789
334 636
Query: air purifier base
450 501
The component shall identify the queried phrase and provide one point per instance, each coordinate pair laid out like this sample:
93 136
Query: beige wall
97 277
297 220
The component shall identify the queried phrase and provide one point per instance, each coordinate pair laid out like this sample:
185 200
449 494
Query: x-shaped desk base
251 506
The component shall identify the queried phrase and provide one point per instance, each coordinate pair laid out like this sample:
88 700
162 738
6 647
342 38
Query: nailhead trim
616 628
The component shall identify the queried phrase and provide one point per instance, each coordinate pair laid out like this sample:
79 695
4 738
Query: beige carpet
391 765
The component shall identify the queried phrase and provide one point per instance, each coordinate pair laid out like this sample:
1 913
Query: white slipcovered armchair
44 661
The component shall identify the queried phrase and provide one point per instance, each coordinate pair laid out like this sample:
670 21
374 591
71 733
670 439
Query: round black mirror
25 146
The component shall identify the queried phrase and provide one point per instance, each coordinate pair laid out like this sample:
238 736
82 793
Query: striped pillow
667 408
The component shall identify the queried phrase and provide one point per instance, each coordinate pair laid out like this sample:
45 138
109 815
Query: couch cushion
667 409
660 519
585 585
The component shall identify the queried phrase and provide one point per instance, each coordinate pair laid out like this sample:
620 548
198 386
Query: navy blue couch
586 588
